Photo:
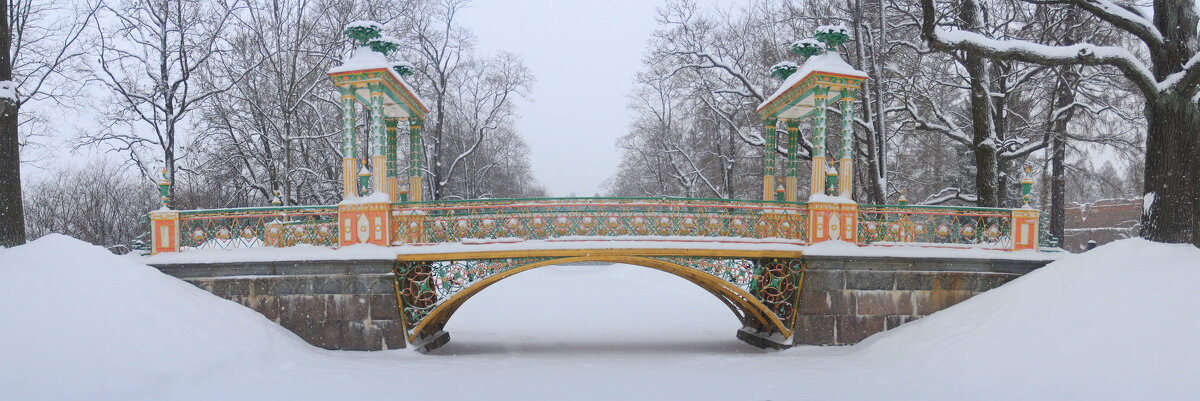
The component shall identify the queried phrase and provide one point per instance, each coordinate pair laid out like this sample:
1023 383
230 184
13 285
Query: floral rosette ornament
784 69
807 48
832 35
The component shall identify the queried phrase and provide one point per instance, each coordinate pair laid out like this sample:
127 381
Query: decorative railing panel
935 226
612 218
258 227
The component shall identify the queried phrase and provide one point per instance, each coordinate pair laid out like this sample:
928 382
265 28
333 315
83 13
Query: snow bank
1118 322
82 323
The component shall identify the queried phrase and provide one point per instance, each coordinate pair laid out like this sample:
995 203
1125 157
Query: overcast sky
584 55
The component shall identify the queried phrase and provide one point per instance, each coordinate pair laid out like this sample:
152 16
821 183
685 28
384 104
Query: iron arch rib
762 292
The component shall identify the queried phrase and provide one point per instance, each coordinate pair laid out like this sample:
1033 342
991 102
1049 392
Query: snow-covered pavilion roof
368 66
793 98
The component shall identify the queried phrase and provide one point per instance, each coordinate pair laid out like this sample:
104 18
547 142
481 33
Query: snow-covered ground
1116 323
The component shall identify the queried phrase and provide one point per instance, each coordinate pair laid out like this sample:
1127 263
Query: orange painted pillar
1025 228
832 221
364 223
164 231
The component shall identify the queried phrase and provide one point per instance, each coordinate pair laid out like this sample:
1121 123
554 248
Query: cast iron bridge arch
761 289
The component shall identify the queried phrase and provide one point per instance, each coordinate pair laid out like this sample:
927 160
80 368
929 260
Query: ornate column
793 131
390 154
769 160
820 101
414 159
349 162
846 162
378 143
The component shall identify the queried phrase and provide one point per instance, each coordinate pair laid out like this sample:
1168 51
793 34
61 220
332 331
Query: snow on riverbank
1114 323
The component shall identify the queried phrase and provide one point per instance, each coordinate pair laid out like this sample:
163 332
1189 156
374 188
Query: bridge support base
431 342
759 339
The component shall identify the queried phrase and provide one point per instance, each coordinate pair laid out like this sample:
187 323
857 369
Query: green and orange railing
578 219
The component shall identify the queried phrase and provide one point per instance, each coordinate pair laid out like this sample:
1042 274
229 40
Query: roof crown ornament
807 48
833 35
370 34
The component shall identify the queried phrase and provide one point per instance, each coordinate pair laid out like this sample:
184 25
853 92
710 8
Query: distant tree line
946 126
232 99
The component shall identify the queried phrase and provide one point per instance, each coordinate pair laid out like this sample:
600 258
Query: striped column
414 159
769 160
820 101
846 163
349 162
378 143
793 132
390 153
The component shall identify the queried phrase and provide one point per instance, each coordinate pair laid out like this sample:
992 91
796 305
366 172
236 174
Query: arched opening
749 312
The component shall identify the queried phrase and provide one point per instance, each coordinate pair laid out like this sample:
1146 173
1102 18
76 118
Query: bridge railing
940 226
257 227
579 219
597 218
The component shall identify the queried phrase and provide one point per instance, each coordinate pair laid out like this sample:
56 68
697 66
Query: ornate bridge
747 253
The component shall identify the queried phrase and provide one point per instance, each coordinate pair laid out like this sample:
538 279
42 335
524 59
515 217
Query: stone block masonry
351 305
340 305
846 299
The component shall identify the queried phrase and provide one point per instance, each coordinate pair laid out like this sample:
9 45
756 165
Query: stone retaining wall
846 299
346 305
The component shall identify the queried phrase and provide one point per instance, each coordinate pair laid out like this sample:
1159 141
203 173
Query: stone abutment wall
344 305
846 299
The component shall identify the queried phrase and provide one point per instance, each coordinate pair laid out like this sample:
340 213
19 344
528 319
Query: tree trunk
1058 153
981 116
871 89
1173 121
1171 136
12 212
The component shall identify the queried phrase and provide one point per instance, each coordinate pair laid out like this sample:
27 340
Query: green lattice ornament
832 35
784 69
364 32
807 48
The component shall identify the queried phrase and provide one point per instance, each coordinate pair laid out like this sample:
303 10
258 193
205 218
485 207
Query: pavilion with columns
807 92
369 79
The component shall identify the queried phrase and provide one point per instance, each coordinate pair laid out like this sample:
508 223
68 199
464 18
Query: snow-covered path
1115 323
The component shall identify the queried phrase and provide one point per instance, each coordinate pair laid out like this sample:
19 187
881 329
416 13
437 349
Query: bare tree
1169 81
96 203
39 43
156 58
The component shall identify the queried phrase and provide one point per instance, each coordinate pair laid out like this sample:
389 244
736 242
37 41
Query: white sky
584 55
